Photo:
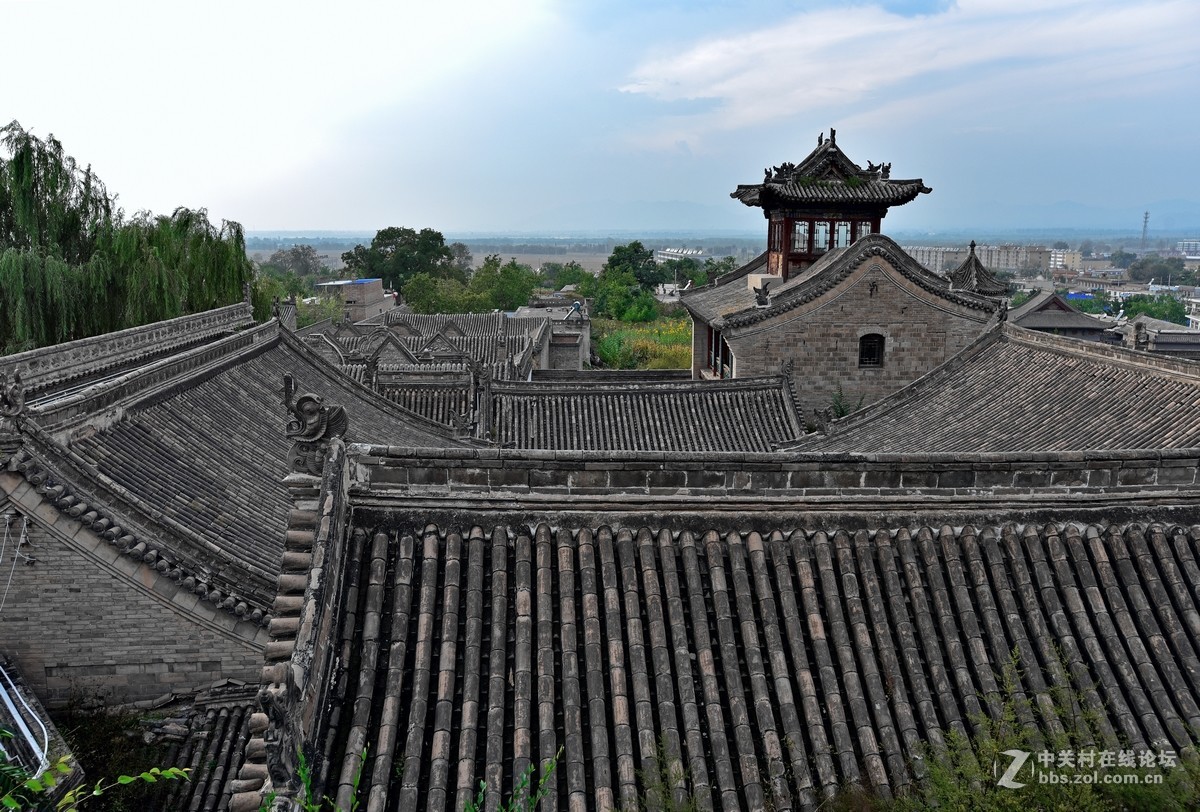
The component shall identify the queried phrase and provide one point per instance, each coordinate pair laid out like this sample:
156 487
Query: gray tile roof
1021 390
62 369
1164 336
750 414
505 345
1048 310
198 463
770 667
218 730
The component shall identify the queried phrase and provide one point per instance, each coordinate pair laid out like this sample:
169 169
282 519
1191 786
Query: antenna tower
1145 227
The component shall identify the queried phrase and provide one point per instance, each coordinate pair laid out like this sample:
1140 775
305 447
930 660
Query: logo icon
1008 780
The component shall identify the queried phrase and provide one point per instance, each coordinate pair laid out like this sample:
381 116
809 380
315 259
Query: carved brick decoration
312 427
12 405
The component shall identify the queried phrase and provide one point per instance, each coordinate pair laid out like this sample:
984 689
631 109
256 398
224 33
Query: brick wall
471 472
564 356
85 620
822 337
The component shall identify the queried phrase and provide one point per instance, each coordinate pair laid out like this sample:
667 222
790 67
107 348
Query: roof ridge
1166 365
39 365
715 385
854 256
143 384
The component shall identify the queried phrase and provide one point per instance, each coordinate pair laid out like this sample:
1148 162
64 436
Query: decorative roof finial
832 137
972 248
12 395
762 298
12 404
312 426
821 138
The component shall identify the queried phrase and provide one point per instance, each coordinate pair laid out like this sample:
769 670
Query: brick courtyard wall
563 355
84 620
821 337
736 488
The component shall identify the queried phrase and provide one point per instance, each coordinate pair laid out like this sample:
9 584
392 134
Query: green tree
718 267
1164 270
460 259
47 202
302 260
514 286
397 254
637 260
72 265
1122 258
1061 245
428 294
681 271
617 295
502 287
574 274
1167 308
558 275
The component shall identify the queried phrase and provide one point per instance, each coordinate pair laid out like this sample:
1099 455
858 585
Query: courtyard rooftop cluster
425 551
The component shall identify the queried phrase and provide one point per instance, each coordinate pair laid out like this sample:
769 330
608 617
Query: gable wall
85 620
822 337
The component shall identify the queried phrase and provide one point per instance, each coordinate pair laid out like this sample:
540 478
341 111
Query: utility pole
1145 227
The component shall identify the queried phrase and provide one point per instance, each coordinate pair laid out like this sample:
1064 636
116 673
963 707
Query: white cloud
233 93
843 59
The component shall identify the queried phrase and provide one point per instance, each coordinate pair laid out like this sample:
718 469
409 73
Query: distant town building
1063 259
1050 312
1164 337
697 254
937 258
1008 258
1189 248
361 298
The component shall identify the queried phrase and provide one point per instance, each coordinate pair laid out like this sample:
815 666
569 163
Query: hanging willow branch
72 266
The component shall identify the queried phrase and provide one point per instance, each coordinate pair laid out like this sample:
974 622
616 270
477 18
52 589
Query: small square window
870 350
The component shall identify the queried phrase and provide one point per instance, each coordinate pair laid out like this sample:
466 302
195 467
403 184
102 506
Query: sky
530 116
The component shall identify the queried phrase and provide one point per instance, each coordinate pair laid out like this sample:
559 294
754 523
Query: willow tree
73 265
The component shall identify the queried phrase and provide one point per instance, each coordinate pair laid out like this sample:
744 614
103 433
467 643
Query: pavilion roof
973 276
827 176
